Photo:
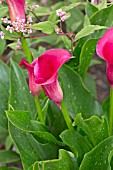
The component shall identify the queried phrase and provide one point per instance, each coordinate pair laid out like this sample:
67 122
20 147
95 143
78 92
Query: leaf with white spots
29 149
76 97
90 29
99 157
65 162
77 143
20 97
96 129
4 93
103 17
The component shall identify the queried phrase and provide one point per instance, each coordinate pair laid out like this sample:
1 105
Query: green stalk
66 116
111 111
39 110
26 50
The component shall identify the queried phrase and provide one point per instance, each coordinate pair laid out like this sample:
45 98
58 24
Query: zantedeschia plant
52 118
43 72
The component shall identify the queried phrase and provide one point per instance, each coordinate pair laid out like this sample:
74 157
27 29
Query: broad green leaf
30 150
7 156
90 29
99 157
77 143
103 17
21 119
90 9
46 27
4 93
86 55
65 162
90 84
96 129
2 45
20 97
76 97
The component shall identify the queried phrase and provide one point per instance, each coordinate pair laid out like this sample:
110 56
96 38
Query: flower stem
26 50
111 111
66 116
39 110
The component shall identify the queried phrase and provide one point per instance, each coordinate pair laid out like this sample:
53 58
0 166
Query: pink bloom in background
105 50
16 9
43 73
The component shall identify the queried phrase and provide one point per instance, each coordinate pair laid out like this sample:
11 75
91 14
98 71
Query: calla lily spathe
105 50
43 73
16 9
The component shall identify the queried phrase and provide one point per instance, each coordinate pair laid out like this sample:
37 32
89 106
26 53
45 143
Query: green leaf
86 55
76 97
2 45
65 162
86 21
21 119
30 150
20 97
77 143
4 93
13 46
90 84
90 9
103 17
95 128
99 157
46 27
90 29
67 42
102 4
54 119
3 11
7 156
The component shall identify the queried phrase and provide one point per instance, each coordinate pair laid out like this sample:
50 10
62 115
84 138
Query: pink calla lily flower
105 50
16 9
43 72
